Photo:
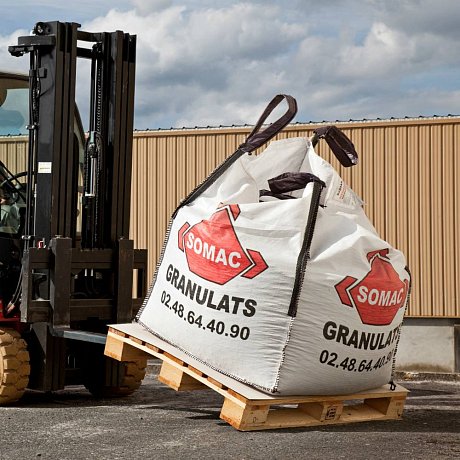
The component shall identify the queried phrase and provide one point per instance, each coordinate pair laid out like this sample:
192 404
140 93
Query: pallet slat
260 411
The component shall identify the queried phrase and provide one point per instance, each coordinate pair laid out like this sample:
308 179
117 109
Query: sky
211 63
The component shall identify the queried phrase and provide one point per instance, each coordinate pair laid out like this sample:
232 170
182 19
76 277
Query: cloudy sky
203 62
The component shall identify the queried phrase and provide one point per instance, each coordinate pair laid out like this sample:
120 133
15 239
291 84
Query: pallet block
244 407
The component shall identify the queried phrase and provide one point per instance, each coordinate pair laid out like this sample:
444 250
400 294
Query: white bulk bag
291 296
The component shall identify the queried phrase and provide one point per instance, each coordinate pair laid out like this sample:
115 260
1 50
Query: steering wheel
12 189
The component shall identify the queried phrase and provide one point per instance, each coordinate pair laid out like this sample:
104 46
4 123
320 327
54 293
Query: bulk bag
272 274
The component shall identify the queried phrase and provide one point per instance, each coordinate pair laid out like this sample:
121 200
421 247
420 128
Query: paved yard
157 423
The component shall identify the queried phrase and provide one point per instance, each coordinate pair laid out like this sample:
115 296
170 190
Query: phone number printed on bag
349 364
211 325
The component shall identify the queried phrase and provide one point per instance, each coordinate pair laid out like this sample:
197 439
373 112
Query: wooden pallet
244 407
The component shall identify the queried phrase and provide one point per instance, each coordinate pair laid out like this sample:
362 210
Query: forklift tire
133 372
14 366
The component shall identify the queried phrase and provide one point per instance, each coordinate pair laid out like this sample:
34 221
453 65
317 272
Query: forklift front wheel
14 366
132 374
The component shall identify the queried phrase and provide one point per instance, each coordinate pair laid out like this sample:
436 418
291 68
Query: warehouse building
407 176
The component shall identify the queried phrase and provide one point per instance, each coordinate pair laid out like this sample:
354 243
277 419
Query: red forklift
67 265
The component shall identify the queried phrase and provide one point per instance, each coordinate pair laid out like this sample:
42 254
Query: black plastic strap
340 144
253 141
279 196
258 138
290 181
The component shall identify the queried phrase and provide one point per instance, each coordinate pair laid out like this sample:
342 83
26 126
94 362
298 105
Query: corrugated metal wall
13 153
407 176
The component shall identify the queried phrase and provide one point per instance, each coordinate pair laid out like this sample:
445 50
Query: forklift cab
14 115
14 120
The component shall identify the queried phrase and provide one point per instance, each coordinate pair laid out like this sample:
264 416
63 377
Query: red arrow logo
214 252
379 295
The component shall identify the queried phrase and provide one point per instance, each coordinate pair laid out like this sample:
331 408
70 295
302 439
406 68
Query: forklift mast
54 160
78 262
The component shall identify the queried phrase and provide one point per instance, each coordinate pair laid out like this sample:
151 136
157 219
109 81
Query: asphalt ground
158 423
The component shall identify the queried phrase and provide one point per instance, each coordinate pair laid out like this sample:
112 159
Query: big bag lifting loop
255 140
342 146
291 181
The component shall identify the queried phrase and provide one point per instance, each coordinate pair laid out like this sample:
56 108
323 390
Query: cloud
147 6
220 65
201 62
8 62
205 66
421 17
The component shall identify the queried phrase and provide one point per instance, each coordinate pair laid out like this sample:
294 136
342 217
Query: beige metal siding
13 152
406 176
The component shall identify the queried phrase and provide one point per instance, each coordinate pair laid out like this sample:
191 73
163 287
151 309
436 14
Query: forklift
67 265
